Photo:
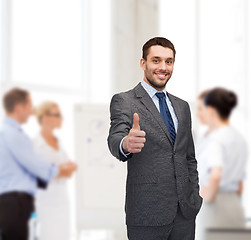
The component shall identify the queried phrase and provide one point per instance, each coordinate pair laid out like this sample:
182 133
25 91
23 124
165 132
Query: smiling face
158 67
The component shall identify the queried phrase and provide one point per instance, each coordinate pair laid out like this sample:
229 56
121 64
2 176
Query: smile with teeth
161 75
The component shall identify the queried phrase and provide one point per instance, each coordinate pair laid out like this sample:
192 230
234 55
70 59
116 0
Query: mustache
163 72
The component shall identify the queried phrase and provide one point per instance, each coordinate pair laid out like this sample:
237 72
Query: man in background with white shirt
21 170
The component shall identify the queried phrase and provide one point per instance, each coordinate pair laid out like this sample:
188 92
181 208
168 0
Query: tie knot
160 95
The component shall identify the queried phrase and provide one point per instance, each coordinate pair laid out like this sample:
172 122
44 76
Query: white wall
133 22
59 51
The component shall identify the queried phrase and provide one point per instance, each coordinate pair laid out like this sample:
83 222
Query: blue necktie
166 115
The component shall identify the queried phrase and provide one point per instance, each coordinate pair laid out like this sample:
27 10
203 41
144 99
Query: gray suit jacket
162 176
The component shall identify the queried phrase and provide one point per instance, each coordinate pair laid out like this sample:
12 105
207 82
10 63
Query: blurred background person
53 205
20 167
222 164
201 109
201 142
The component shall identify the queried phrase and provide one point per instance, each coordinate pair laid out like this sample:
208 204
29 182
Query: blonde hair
44 109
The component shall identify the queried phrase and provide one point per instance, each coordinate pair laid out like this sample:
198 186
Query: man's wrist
125 154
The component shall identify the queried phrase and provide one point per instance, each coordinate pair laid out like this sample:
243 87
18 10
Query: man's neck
157 89
149 86
15 117
220 123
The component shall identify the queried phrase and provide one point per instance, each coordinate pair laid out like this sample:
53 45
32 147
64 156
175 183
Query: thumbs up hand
134 141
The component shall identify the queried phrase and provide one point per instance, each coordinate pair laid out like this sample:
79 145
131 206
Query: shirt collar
151 90
12 122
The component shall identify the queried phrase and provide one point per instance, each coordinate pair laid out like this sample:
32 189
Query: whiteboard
100 179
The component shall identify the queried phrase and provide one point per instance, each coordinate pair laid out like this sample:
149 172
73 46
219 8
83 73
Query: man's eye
169 62
155 61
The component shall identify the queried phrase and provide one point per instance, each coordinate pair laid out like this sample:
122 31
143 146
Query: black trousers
15 211
180 229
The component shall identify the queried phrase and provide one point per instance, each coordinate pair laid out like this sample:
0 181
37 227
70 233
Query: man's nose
163 65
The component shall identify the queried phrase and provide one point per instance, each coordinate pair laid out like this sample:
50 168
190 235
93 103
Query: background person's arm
21 148
240 188
66 169
208 192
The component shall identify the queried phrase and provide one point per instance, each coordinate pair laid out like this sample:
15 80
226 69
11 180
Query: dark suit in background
162 180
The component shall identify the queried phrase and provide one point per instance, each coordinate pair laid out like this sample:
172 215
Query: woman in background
222 165
202 141
52 204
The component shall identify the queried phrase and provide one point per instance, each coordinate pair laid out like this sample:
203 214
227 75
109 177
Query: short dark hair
157 41
13 97
222 100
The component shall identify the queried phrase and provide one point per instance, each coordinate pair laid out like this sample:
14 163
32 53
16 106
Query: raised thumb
136 121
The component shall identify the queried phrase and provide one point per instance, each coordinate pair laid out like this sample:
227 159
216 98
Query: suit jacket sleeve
121 123
192 162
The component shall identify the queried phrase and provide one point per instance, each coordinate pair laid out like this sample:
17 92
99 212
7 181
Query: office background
84 51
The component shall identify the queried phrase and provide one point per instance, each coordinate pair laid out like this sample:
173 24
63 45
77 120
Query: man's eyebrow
156 57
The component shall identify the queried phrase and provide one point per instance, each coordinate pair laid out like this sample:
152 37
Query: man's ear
143 63
18 108
211 111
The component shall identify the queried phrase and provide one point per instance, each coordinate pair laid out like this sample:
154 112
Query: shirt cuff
121 150
53 171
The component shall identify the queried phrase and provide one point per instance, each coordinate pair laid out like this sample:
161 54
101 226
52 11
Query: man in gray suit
151 131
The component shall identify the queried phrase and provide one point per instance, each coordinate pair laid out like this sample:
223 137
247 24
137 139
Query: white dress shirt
152 91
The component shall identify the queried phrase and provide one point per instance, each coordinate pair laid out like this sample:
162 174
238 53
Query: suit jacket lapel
177 110
143 96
